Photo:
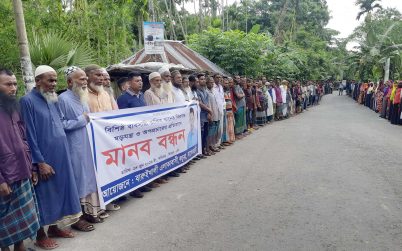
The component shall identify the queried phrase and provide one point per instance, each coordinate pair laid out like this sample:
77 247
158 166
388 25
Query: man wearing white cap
56 190
167 85
73 104
155 95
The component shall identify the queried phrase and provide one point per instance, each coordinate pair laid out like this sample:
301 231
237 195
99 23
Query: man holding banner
74 107
98 101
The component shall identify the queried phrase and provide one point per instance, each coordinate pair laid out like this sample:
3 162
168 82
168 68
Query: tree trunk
140 26
181 24
386 68
278 35
25 57
108 46
151 10
223 14
171 20
214 8
227 16
200 12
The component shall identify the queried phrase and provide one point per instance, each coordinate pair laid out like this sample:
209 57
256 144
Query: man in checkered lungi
18 209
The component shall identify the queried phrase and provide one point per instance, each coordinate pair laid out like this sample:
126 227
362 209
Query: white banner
154 37
132 147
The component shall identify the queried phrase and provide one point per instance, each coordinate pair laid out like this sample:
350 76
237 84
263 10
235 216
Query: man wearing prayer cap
73 104
56 190
167 85
155 94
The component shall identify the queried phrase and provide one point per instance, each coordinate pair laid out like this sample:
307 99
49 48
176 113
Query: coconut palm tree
367 6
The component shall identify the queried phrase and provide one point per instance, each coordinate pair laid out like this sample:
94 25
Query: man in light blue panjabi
74 108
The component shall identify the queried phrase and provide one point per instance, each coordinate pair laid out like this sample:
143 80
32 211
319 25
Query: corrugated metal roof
177 53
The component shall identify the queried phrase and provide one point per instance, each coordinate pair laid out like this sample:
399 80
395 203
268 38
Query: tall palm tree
367 6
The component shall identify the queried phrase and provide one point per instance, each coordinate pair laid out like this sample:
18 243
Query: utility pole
25 57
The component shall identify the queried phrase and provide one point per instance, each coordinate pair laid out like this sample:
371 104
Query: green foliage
367 6
379 38
59 51
8 46
95 31
235 51
285 38
255 54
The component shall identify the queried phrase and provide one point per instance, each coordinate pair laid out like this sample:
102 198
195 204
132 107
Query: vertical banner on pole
154 37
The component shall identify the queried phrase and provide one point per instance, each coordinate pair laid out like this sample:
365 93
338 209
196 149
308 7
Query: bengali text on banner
133 147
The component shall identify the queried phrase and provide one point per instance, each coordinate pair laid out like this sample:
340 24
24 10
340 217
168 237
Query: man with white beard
108 88
98 99
167 85
56 191
73 104
155 94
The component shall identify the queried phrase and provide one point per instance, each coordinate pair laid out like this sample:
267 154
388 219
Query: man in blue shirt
132 97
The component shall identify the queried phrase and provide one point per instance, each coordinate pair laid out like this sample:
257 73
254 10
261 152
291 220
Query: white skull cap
41 69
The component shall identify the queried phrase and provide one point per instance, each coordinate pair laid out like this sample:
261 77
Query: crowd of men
383 98
47 177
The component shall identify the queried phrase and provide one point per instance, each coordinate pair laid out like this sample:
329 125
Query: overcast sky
343 13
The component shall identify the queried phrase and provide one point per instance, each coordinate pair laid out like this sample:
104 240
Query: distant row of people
383 98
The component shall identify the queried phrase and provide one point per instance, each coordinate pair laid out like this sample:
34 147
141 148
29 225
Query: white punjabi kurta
270 109
178 95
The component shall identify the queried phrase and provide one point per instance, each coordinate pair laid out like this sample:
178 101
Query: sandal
103 215
58 233
83 226
112 207
92 219
46 244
